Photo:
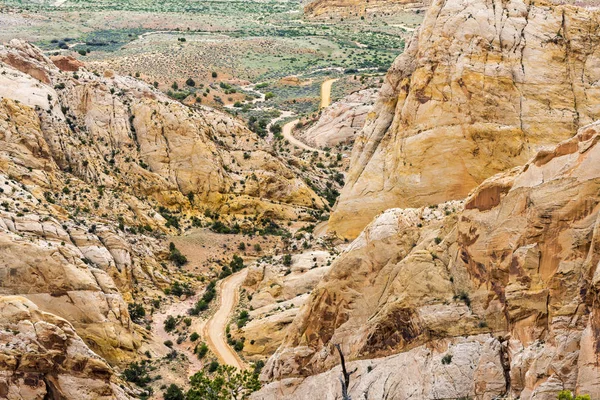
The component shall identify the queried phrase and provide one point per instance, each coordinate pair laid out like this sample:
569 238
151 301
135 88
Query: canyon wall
493 296
482 86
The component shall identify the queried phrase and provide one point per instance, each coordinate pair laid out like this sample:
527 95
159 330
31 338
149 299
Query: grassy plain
244 42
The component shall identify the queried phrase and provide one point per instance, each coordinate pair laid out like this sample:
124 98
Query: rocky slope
481 88
42 357
276 292
497 298
94 170
118 132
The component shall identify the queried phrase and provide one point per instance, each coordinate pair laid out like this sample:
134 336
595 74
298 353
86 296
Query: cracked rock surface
482 86
516 263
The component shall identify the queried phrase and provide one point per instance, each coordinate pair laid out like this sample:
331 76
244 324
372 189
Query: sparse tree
174 392
345 378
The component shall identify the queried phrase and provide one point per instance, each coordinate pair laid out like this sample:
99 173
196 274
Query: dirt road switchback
214 330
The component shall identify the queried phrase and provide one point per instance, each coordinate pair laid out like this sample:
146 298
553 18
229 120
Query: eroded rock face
476 366
520 262
77 273
278 291
67 63
341 122
480 89
121 133
41 357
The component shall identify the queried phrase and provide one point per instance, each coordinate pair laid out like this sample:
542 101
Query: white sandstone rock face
278 291
480 88
475 366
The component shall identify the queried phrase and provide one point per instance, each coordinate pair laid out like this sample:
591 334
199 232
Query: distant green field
250 40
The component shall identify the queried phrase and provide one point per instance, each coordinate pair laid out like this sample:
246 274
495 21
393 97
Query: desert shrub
173 392
213 366
136 312
201 350
170 323
137 373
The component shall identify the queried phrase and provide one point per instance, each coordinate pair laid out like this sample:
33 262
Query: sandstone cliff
118 132
481 88
515 273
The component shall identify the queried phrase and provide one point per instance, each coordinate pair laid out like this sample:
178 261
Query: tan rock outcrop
324 8
90 169
278 291
342 121
520 262
42 357
475 366
67 63
119 132
481 88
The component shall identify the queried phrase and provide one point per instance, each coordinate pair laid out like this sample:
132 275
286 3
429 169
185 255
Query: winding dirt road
214 330
326 92
286 131
228 293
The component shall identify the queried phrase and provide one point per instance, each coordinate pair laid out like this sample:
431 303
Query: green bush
213 366
174 392
137 373
226 383
176 256
237 263
201 350
567 395
136 312
170 323
180 289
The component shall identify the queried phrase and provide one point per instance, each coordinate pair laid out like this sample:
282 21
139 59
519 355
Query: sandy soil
186 347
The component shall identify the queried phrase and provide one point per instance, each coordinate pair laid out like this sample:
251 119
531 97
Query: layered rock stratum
481 88
42 357
477 178
326 8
